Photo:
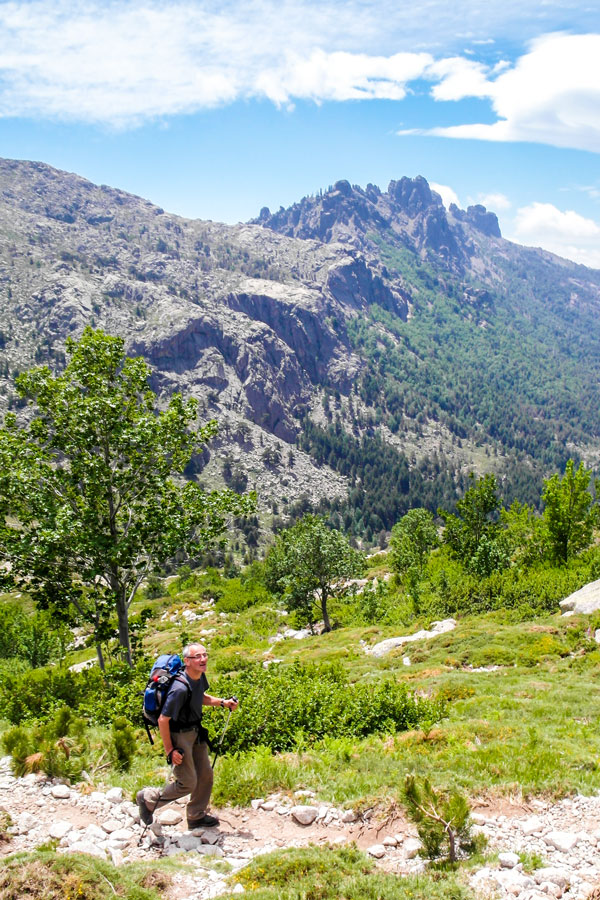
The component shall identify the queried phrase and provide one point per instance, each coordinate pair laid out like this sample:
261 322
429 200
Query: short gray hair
187 650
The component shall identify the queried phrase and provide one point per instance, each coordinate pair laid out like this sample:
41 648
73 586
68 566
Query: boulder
376 850
304 815
585 601
115 795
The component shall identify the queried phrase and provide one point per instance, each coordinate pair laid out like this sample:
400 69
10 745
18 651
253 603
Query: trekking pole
219 745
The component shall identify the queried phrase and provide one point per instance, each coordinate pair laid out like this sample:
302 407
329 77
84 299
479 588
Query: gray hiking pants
194 777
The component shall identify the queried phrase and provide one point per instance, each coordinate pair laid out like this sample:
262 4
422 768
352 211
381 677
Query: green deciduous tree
473 534
89 501
307 564
413 538
570 513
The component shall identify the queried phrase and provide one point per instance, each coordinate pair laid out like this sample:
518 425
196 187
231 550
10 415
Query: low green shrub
282 704
58 747
37 693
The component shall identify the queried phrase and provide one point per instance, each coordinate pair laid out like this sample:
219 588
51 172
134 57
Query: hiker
186 744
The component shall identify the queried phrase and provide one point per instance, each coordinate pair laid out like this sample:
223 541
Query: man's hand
231 703
175 757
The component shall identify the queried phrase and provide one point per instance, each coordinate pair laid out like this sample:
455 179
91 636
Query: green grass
44 875
328 873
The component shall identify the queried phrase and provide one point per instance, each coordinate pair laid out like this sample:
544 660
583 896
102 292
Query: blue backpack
166 670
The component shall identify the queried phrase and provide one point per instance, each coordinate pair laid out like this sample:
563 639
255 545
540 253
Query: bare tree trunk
325 614
100 657
123 619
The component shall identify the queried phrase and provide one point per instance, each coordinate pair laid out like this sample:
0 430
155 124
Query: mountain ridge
380 314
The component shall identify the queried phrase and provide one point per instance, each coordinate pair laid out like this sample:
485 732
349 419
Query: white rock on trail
59 829
411 847
376 850
115 795
169 817
304 815
88 847
508 860
61 792
563 841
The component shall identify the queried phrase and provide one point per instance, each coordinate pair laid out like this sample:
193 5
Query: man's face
196 662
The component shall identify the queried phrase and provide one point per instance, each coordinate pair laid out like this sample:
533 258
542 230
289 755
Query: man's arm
165 733
230 703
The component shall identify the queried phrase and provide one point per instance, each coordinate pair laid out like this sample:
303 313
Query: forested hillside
362 350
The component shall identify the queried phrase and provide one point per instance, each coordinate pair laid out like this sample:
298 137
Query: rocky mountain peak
408 213
479 218
413 195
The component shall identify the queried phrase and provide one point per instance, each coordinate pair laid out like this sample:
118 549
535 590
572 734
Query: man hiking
185 743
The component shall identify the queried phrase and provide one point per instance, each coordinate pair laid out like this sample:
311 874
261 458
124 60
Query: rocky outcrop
584 601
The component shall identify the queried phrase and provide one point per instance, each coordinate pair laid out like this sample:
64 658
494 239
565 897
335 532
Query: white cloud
565 233
446 193
551 95
494 202
124 62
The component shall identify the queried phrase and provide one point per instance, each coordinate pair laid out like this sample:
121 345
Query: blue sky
214 109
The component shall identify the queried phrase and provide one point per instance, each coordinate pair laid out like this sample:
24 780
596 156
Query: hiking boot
145 813
206 821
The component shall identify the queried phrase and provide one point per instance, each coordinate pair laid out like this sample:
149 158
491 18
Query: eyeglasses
198 656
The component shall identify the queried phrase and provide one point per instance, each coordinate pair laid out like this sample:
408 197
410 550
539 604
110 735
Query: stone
508 860
563 841
552 874
115 795
94 832
389 841
59 829
531 825
169 817
88 847
116 856
411 847
238 889
26 822
210 837
349 816
110 825
189 842
376 850
210 850
122 834
304 815
256 804
269 805
61 792
554 890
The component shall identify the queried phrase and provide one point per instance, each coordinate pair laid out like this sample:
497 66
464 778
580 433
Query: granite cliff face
379 300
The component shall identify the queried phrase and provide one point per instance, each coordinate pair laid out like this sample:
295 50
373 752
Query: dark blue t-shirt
181 711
